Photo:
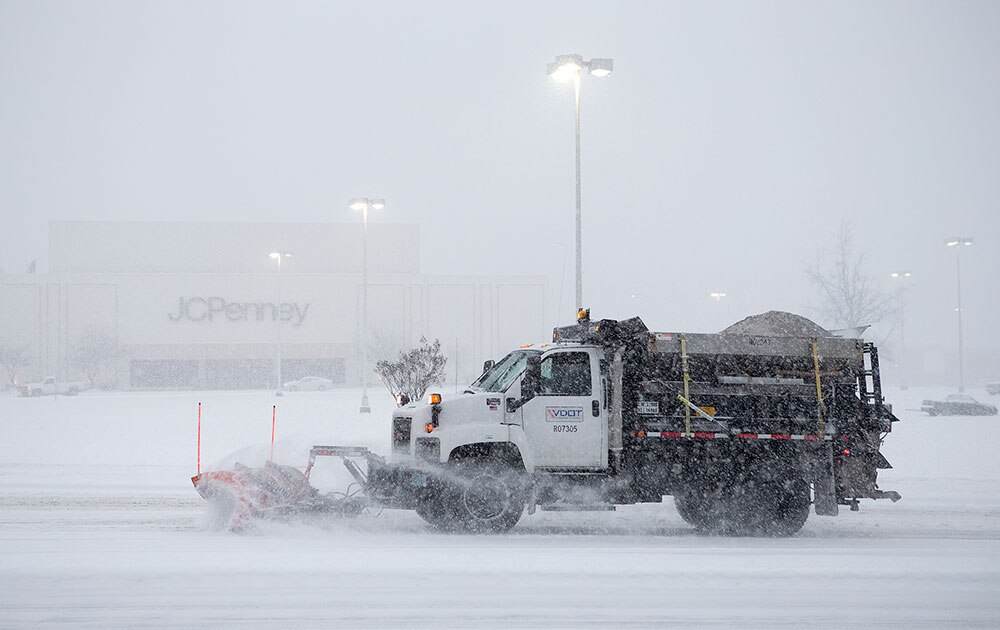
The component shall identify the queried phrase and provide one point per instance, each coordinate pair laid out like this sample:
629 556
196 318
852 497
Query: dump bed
717 344
712 356
776 372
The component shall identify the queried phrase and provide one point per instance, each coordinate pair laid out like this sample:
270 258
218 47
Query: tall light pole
718 296
958 242
901 277
278 257
570 68
363 204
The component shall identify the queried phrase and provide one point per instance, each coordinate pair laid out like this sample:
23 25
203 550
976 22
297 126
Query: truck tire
434 509
487 496
692 507
711 509
786 508
757 505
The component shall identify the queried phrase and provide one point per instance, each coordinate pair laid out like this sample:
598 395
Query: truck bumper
400 486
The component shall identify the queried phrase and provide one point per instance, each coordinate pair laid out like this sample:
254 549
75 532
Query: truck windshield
503 373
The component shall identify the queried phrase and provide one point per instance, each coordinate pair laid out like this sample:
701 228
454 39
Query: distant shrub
413 372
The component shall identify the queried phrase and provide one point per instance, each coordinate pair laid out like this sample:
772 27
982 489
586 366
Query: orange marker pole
199 438
273 412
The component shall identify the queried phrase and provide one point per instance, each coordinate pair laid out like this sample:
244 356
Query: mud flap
824 483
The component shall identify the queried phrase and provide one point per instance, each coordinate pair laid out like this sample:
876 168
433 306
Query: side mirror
402 400
530 384
532 381
487 365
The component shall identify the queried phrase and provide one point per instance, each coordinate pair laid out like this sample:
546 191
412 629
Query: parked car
309 383
957 405
51 386
993 388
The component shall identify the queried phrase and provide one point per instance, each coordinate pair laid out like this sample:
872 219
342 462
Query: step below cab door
566 423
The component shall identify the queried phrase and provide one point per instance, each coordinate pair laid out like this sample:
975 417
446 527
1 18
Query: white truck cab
562 427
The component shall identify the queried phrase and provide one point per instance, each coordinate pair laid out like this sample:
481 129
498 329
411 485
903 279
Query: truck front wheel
487 497
433 508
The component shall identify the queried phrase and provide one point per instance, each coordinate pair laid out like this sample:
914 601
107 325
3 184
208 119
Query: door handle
595 407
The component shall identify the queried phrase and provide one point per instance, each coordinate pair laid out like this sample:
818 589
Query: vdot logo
201 309
564 414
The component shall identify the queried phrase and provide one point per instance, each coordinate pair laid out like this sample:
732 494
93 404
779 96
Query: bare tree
849 295
92 352
14 357
414 371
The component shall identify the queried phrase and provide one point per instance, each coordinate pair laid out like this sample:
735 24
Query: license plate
648 407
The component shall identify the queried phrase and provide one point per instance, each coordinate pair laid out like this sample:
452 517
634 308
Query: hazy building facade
202 305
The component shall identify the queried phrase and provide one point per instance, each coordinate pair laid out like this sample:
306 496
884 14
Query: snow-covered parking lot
100 527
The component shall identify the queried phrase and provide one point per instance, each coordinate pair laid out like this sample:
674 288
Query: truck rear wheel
487 497
770 506
756 506
782 507
692 507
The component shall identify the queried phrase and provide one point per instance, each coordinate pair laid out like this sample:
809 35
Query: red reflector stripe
745 436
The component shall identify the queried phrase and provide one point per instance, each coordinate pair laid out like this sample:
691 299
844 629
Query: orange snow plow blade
237 497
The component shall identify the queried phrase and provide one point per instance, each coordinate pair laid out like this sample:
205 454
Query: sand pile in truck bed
777 324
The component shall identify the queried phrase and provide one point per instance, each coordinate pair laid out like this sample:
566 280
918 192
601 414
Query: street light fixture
718 296
570 68
363 204
278 257
958 242
903 277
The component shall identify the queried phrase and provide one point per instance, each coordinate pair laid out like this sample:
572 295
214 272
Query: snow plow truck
748 430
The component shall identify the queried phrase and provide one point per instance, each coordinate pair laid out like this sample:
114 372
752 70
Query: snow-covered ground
100 527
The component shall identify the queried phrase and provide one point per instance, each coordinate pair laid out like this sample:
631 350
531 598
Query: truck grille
401 434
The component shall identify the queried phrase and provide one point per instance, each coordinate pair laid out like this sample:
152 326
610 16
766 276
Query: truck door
566 423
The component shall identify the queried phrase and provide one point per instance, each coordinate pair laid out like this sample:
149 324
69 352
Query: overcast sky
729 144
